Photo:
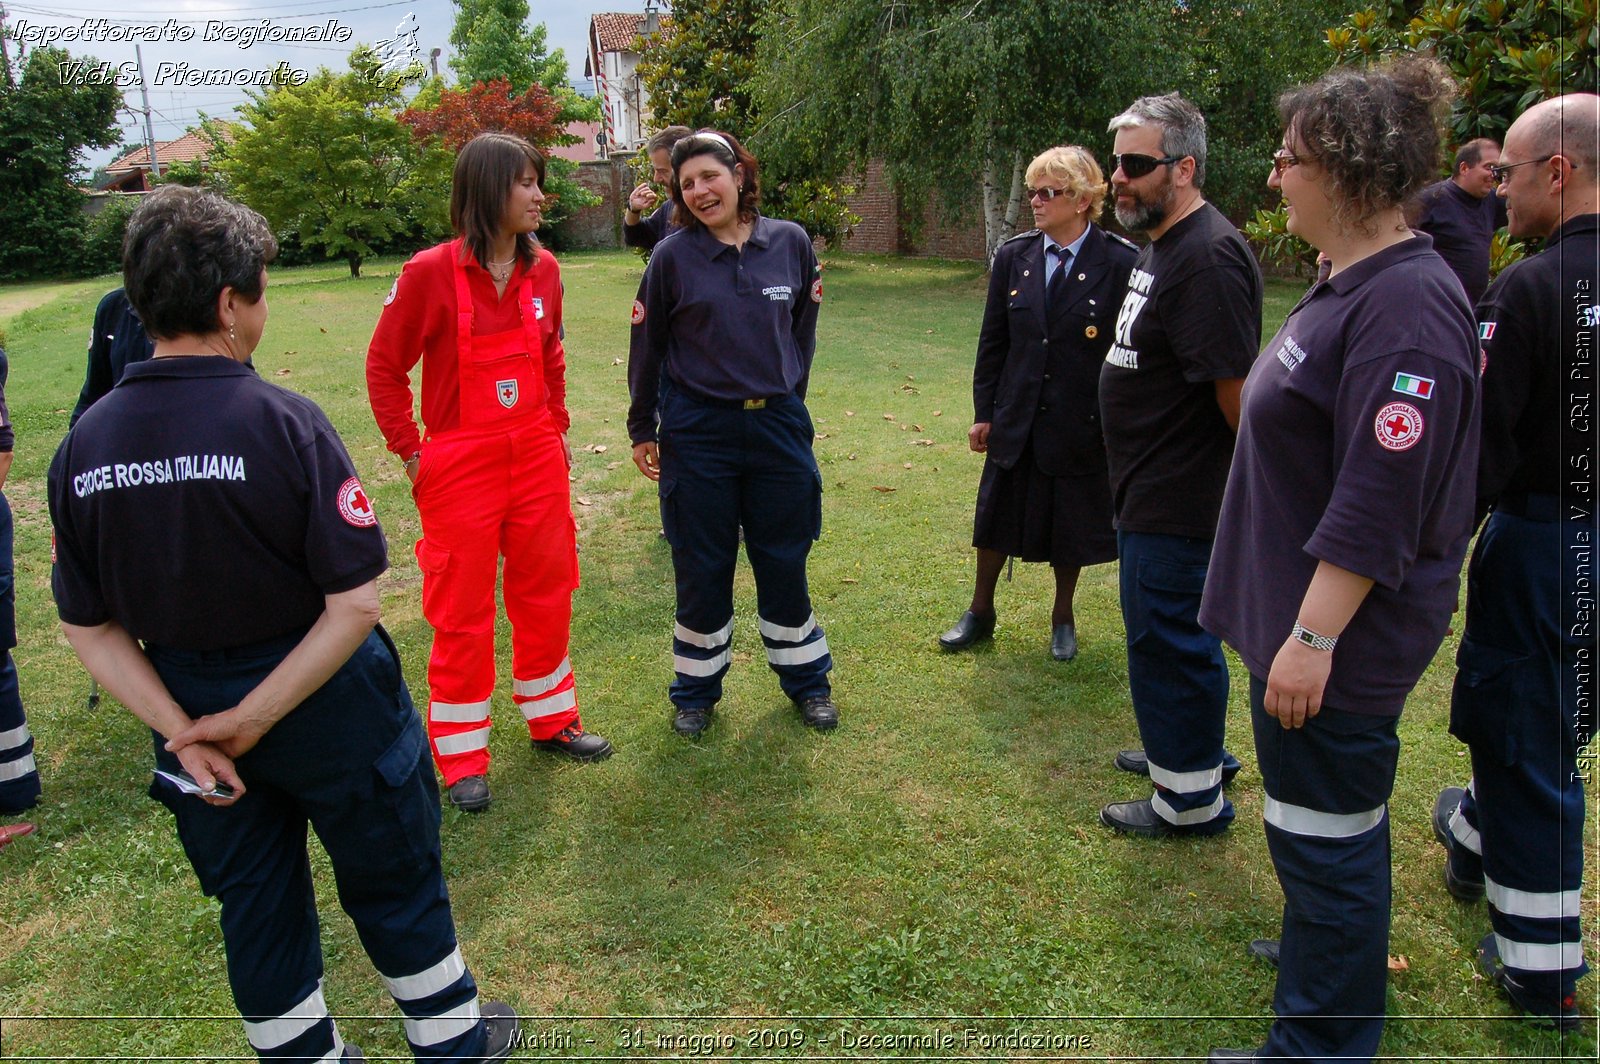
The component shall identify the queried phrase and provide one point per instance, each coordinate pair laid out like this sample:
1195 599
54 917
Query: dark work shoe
1135 762
1141 818
1463 869
1562 1013
1216 1056
470 794
503 1024
690 721
1266 949
968 630
572 741
353 1053
819 712
1063 642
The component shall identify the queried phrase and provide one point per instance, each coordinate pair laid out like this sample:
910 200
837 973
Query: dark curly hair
182 248
1376 132
724 148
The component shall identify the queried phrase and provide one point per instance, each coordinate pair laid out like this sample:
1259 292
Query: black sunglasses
1045 194
1139 165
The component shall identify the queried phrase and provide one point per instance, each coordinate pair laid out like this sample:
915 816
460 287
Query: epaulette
1124 241
1020 236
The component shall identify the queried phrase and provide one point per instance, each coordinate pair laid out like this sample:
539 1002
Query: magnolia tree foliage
45 127
328 164
704 73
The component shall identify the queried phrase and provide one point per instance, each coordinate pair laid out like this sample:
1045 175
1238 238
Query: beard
1148 211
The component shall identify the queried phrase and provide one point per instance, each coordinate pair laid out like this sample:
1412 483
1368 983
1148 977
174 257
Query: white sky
176 106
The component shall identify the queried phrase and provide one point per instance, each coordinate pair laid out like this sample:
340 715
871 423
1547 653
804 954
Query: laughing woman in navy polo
725 330
1346 517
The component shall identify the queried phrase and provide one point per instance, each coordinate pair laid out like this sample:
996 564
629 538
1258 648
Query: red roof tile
616 31
192 146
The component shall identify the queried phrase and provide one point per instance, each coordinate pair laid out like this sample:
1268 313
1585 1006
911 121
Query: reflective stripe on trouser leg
540 546
19 774
1463 823
1327 787
1515 685
781 510
304 1031
462 499
1176 674
440 1004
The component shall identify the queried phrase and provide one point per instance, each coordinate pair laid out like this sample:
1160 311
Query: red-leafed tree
454 116
462 114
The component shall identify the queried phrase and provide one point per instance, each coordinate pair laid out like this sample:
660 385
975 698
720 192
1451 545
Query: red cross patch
816 290
354 506
1399 426
506 392
638 312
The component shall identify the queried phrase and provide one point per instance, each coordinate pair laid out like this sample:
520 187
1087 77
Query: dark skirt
1030 515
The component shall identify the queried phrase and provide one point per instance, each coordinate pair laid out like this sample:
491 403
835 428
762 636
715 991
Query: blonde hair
1077 172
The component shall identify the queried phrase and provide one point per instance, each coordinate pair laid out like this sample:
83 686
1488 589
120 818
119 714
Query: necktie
1056 290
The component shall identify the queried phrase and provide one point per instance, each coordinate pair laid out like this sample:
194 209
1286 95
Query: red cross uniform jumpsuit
491 482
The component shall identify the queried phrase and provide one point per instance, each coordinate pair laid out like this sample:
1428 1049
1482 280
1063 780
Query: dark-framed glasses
1282 159
1044 195
1134 165
1500 170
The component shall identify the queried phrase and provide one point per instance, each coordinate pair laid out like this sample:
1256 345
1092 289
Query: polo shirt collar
1346 281
711 247
189 367
1572 227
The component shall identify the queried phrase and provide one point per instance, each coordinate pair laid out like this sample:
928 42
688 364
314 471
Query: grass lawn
933 869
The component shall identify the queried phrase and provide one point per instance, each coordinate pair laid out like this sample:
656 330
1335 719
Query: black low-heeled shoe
968 630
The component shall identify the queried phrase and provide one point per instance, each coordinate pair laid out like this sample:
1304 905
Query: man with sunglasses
1461 213
1524 690
1187 333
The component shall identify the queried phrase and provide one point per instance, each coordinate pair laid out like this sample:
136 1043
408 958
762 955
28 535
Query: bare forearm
1332 599
120 666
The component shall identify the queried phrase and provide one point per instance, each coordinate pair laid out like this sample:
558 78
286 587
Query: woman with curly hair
1347 514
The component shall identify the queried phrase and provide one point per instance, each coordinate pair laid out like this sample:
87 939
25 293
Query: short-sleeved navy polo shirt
1462 226
1357 446
202 507
722 322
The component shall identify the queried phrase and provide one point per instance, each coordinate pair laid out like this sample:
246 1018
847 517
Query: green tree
46 123
328 164
703 71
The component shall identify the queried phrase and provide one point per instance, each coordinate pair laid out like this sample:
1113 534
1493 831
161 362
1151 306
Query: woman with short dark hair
724 332
1346 518
489 472
217 519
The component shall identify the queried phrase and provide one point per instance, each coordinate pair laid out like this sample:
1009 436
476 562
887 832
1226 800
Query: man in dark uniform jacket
116 341
1461 213
645 231
1186 336
1524 694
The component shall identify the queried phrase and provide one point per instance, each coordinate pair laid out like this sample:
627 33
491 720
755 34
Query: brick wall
599 227
882 230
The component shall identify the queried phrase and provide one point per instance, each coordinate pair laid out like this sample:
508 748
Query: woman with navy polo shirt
1347 513
724 335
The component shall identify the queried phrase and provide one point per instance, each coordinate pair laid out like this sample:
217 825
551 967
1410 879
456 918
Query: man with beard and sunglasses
1188 331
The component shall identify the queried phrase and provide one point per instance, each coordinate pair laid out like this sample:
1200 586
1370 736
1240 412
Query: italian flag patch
1408 384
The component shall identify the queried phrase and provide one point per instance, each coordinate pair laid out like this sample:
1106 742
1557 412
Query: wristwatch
1312 639
415 456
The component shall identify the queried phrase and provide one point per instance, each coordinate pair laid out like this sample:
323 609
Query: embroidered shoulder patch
354 506
1398 426
638 312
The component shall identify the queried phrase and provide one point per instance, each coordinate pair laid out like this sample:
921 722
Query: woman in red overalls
489 471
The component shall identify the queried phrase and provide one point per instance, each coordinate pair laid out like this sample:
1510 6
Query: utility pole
5 54
149 133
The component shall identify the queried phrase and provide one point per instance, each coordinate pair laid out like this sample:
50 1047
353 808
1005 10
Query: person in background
116 341
1346 518
639 231
1523 699
19 773
1186 335
483 315
1044 496
724 339
216 565
1461 213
